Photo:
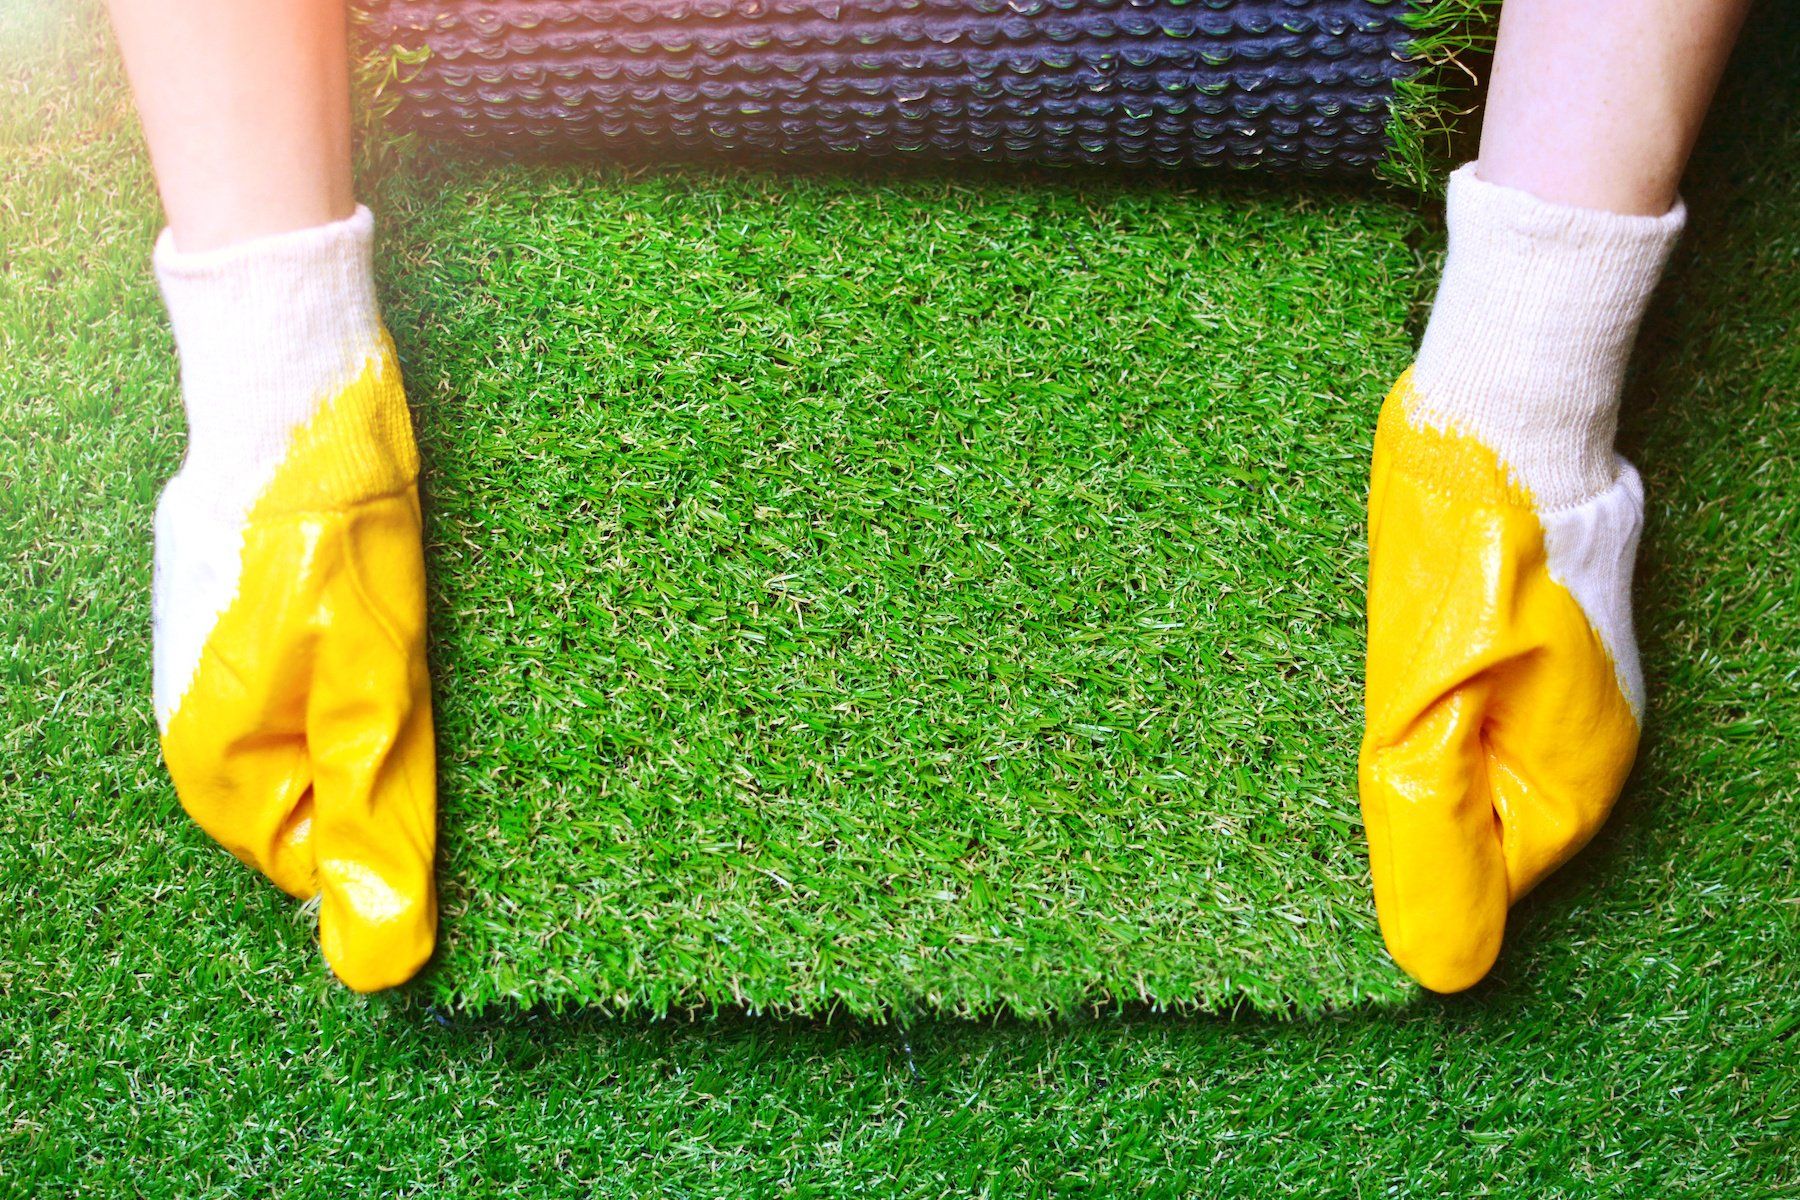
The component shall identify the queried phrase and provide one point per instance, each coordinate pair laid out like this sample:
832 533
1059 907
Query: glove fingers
1498 724
1439 579
1434 845
235 743
1561 739
369 728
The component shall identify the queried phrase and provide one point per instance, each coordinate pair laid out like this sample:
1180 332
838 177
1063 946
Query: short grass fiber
1181 381
1429 125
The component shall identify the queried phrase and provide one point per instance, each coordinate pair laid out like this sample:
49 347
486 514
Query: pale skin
1596 103
246 109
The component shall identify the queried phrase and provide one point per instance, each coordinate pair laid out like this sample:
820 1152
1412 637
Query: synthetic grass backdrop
167 1029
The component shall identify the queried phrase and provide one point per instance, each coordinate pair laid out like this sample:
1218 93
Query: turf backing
167 1030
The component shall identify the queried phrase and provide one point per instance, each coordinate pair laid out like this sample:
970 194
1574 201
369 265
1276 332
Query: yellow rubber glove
292 691
1500 723
1503 691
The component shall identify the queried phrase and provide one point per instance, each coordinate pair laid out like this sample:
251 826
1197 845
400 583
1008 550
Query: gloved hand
291 686
1503 688
1503 695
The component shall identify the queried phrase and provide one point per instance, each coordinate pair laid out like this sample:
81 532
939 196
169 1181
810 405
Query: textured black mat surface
1248 83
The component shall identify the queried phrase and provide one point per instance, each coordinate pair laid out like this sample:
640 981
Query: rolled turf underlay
1272 84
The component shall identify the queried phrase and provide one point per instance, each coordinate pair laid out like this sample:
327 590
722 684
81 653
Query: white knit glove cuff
265 330
1532 329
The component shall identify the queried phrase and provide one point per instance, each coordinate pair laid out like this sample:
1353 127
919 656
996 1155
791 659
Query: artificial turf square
910 594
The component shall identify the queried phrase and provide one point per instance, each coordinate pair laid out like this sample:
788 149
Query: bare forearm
1596 103
246 109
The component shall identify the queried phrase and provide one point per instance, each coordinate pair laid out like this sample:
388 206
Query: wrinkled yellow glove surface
1499 725
302 740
